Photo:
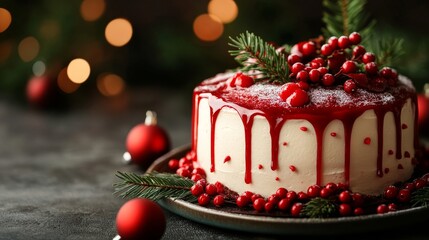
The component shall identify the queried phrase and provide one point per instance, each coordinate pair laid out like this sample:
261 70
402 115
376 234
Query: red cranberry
344 209
391 192
273 198
358 52
269 206
323 70
386 72
173 164
355 38
248 194
291 195
333 42
420 183
297 67
287 89
358 200
314 75
325 192
404 195
197 190
244 81
219 200
371 68
358 211
196 177
326 50
303 85
343 42
368 57
219 187
319 60
211 189
302 76
204 199
342 186
349 67
255 196
392 207
350 86
308 48
331 185
185 162
410 186
295 211
382 208
284 204
202 182
302 196
298 99
335 61
183 172
242 201
259 204
281 192
345 197
199 171
313 191
328 79
293 58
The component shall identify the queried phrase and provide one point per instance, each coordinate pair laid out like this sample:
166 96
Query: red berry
196 177
335 61
419 183
358 51
382 208
344 209
358 200
391 192
269 206
371 68
211 189
314 65
197 190
345 197
323 70
343 42
248 194
331 186
298 98
291 195
199 171
293 58
242 201
284 204
259 204
328 79
319 60
326 192
255 196
314 75
404 195
349 67
281 192
333 42
297 67
202 182
313 191
342 186
244 81
173 164
302 76
303 85
349 86
204 199
355 38
185 162
368 57
326 49
386 72
183 172
302 196
220 188
219 200
273 198
358 211
287 89
392 207
295 211
308 48
410 186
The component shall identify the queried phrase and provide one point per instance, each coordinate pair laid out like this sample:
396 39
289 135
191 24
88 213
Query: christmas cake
336 117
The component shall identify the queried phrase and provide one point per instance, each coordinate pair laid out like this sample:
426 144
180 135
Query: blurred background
106 48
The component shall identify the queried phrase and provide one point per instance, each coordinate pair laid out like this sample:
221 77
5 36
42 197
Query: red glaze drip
277 179
227 159
386 170
333 134
390 152
407 154
277 114
304 129
285 144
367 140
292 168
194 129
404 126
260 166
400 166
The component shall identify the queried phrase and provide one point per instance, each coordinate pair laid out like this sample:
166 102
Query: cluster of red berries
184 167
339 61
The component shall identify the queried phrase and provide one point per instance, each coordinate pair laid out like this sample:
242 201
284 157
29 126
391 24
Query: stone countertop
57 169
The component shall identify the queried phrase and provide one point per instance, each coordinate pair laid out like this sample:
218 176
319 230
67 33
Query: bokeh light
118 32
5 19
5 50
225 10
64 82
39 68
208 27
49 29
110 84
78 70
28 49
92 10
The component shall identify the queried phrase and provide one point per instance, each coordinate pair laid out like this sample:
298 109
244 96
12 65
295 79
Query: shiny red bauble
140 219
147 141
42 92
423 109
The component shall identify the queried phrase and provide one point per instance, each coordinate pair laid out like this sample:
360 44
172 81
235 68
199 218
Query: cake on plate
337 118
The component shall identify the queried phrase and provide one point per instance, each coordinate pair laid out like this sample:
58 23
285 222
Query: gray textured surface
57 169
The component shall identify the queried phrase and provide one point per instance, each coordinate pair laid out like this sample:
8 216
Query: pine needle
319 208
420 198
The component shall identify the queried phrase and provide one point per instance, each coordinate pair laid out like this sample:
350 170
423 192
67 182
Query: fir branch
253 53
319 208
420 198
388 51
154 186
342 17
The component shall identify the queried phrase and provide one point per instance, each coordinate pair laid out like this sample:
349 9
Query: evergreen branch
319 208
154 186
420 198
253 53
389 51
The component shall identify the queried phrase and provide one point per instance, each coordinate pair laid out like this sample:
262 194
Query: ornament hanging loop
151 118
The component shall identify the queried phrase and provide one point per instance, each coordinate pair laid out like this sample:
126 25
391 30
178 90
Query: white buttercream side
333 153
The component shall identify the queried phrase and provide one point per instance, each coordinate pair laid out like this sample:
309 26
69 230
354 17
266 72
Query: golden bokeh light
78 70
39 68
28 49
118 32
110 84
92 10
208 27
5 19
225 10
64 82
49 29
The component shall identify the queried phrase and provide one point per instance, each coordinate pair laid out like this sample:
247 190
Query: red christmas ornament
42 92
423 109
140 218
147 141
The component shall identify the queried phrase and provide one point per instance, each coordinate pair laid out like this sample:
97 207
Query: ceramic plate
280 225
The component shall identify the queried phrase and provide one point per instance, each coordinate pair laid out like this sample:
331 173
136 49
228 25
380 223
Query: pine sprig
253 53
389 51
319 208
154 186
420 198
342 17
